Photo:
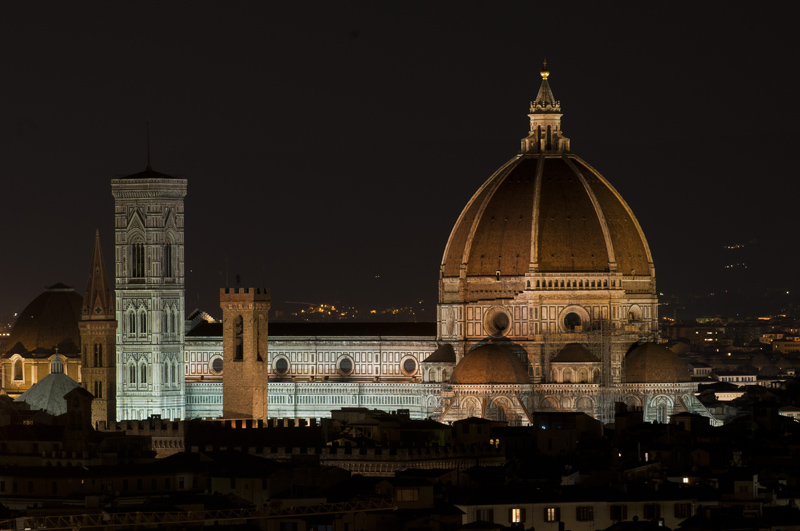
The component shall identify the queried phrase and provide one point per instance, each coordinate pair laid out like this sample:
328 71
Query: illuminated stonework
150 295
98 328
547 254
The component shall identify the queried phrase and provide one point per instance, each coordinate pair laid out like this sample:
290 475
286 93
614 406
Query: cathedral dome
545 211
654 363
490 363
49 321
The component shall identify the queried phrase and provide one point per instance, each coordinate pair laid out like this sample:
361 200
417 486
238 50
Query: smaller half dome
653 363
575 353
490 363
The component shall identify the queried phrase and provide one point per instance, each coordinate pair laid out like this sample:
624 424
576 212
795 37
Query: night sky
330 147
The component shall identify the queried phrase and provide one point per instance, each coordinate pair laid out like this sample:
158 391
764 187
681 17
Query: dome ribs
569 237
501 236
628 240
612 265
456 252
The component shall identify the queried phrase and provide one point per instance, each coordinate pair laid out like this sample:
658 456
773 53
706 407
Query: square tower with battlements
244 343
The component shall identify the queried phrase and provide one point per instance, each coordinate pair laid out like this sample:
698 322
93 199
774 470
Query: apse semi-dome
49 321
575 353
490 363
545 211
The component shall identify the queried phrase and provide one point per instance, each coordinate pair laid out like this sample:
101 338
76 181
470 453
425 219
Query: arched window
661 413
131 323
175 328
142 322
143 374
137 260
166 372
167 321
238 331
168 267
18 373
567 376
174 372
549 139
131 374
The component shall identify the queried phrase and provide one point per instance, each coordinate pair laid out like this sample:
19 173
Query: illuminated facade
546 286
46 328
98 327
150 295
548 256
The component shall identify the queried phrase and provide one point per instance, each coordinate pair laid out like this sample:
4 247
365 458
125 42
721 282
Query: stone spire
545 117
545 101
97 300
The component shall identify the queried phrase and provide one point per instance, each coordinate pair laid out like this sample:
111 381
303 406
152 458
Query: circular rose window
346 366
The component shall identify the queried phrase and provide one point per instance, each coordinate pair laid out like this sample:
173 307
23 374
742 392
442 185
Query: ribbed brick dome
546 214
546 211
653 363
491 363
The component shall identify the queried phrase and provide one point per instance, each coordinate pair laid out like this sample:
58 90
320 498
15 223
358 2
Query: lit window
517 516
552 514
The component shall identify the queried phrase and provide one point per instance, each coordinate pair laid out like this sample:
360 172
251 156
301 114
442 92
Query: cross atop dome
545 117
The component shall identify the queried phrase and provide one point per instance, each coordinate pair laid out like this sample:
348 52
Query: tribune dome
654 363
491 363
546 211
49 321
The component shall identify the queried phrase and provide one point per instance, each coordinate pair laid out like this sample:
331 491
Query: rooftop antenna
148 146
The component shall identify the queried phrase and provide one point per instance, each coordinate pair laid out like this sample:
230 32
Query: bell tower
98 327
150 295
244 345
